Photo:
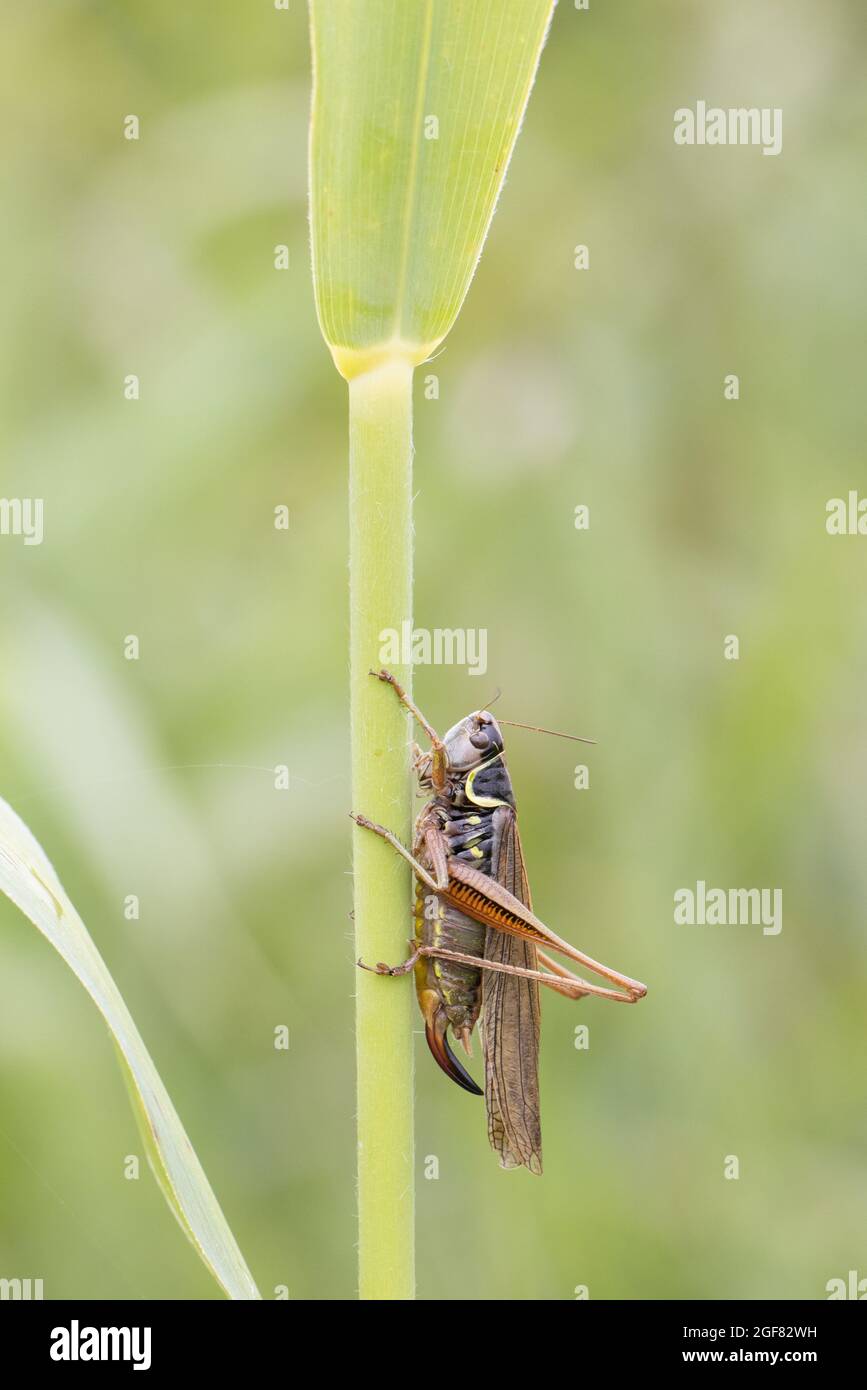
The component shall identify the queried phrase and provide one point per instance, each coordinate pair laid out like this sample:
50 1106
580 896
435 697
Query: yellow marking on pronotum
468 786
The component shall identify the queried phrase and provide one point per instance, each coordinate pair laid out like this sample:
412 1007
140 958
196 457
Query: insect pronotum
477 947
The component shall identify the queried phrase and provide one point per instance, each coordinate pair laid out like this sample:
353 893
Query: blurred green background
556 388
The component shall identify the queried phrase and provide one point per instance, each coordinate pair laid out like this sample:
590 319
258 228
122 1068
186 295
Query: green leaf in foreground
28 879
416 108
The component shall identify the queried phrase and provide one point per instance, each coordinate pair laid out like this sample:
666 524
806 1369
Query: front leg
439 761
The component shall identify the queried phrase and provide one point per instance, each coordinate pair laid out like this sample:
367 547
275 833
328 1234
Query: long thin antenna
537 729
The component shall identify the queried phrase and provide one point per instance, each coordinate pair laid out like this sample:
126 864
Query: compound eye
481 739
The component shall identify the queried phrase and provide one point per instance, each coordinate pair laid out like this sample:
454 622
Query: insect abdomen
437 923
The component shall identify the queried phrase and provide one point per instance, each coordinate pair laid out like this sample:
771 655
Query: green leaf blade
30 882
416 110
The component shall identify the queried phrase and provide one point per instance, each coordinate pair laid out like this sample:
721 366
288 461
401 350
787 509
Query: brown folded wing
510 1018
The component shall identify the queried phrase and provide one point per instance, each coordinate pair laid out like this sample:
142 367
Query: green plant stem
380 522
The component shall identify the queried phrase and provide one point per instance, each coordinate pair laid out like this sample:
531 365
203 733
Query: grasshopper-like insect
477 945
